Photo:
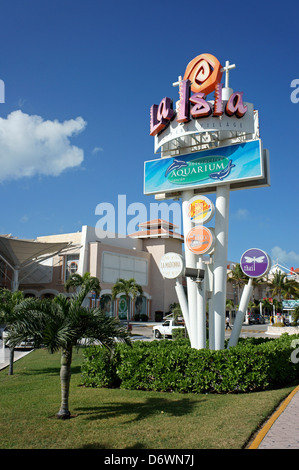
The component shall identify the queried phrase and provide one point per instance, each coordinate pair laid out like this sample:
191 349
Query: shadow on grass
97 445
139 411
49 371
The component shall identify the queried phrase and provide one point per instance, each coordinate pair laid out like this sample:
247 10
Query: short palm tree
126 287
282 287
61 324
8 304
229 305
84 284
238 278
267 305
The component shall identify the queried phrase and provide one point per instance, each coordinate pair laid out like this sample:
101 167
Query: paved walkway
4 355
281 431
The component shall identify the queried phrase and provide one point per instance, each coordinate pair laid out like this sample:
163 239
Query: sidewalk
281 431
4 355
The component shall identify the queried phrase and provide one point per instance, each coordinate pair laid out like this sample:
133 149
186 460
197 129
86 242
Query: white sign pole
190 262
247 291
211 310
201 308
220 263
183 304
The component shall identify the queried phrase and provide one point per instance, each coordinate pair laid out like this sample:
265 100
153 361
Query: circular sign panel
255 262
200 240
200 209
171 265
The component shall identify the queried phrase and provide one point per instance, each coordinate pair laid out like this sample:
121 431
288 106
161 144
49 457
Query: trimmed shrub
99 367
254 364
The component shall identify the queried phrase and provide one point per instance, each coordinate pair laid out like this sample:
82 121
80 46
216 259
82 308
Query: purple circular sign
255 262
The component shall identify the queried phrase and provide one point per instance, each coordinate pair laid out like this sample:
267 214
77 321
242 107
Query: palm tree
238 278
281 286
267 305
61 324
8 304
229 304
126 287
86 283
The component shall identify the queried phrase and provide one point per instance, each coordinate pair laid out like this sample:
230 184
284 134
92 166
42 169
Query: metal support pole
209 270
201 308
183 304
220 263
15 282
190 262
246 294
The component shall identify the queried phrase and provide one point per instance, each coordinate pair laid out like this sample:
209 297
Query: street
144 331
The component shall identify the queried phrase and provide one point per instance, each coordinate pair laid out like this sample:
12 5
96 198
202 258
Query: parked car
23 344
256 320
165 329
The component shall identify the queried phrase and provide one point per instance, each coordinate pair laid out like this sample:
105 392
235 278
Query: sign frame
207 231
156 171
173 272
251 258
209 213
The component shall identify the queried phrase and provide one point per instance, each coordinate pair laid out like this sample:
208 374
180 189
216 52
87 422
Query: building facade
108 258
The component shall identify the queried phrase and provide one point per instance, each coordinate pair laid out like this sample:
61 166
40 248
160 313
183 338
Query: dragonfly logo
254 260
255 263
2 92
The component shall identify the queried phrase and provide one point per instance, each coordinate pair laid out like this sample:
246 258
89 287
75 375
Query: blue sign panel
234 163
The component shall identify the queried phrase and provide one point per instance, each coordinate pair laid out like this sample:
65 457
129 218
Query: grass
120 419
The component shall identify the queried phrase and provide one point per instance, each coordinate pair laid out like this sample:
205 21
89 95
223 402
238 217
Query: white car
165 329
23 344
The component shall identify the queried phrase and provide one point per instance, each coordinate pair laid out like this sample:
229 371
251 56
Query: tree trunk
65 378
11 360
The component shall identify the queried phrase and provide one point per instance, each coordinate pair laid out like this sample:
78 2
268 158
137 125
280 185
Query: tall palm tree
126 287
8 304
61 324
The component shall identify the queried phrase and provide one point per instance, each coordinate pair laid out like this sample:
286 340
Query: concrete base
279 330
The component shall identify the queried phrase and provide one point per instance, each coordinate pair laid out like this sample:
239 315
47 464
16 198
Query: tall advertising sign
207 146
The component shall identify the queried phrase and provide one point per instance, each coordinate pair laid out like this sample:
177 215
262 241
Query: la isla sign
203 75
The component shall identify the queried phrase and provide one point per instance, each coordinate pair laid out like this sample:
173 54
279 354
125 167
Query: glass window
71 265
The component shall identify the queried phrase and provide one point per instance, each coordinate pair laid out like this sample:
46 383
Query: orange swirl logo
204 72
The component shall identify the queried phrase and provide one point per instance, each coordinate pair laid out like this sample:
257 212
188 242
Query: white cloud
24 219
32 146
241 214
97 149
289 258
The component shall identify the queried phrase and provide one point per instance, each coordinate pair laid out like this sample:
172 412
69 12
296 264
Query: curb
262 433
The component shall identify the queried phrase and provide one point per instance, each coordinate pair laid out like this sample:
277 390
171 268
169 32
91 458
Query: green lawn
120 419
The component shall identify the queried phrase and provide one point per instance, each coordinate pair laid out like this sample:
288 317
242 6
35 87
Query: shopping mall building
44 264
135 256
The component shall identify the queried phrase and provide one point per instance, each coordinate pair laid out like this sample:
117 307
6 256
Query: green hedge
254 364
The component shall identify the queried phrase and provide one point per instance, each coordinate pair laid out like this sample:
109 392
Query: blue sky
80 77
